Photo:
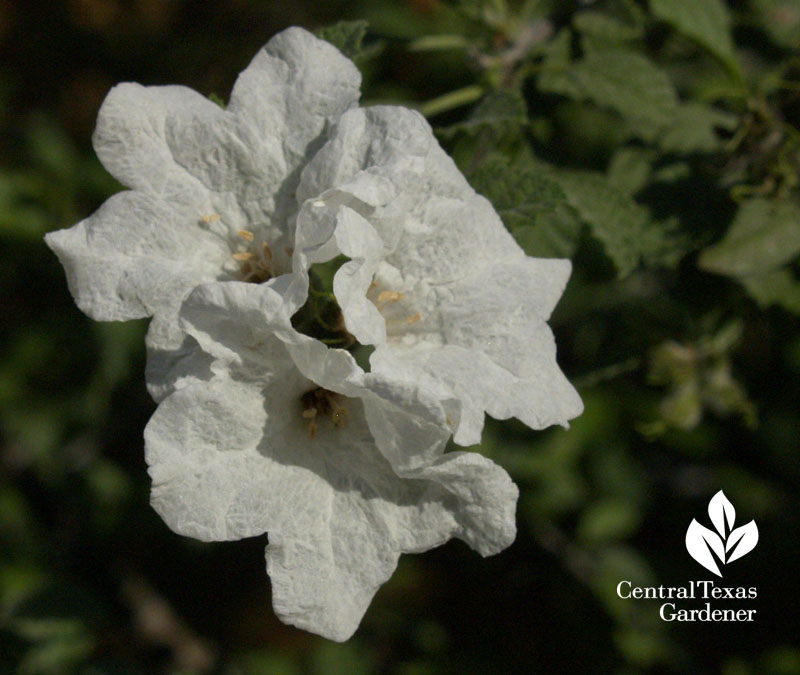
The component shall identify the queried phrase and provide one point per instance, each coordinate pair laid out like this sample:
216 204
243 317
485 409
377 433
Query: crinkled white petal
480 384
130 137
173 358
228 463
450 299
486 340
357 239
245 329
296 82
411 422
200 174
368 155
134 255
227 153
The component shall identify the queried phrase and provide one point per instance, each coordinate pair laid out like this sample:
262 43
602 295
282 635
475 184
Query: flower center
253 258
396 308
256 262
319 402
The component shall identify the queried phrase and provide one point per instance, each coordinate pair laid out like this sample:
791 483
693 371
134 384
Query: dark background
92 581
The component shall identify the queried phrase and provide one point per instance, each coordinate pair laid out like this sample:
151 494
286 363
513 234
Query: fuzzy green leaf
707 22
625 228
620 22
764 235
556 234
616 78
630 169
346 36
694 128
778 287
608 519
502 112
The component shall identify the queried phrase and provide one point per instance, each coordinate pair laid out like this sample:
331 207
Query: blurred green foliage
655 143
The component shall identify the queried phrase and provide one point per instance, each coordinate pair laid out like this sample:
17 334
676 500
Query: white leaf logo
712 549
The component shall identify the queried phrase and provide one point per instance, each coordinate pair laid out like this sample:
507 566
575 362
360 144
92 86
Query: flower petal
173 358
323 581
226 464
136 254
357 239
465 307
130 137
369 155
245 328
385 163
486 342
296 81
279 107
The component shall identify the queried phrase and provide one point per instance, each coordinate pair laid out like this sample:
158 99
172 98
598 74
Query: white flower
212 191
284 438
434 280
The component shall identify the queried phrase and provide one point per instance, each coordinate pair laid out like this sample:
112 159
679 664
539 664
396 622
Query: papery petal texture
438 285
232 457
199 176
263 429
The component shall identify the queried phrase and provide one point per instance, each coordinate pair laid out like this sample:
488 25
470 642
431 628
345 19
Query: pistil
321 402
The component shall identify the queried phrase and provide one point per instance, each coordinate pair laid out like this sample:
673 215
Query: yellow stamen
211 218
385 297
246 234
414 318
243 256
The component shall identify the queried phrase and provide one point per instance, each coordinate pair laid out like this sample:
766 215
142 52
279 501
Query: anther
322 402
385 297
211 218
246 234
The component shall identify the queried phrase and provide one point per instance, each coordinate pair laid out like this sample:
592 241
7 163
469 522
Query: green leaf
624 227
694 128
642 648
764 235
778 287
707 22
620 22
616 78
503 112
351 658
214 98
555 235
263 661
348 38
557 51
630 169
531 204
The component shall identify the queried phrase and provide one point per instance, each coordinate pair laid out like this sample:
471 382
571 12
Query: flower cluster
265 424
